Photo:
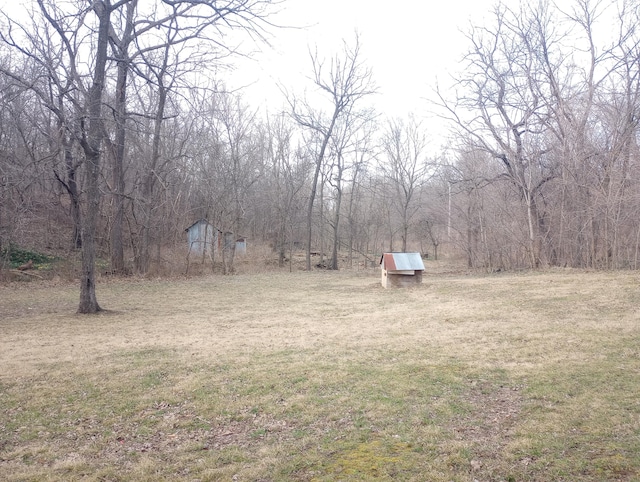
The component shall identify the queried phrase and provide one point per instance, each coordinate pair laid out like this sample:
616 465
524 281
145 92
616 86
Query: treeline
546 119
115 126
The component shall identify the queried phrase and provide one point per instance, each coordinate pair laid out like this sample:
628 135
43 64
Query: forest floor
322 376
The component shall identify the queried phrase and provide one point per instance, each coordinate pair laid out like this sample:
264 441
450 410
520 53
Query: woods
118 132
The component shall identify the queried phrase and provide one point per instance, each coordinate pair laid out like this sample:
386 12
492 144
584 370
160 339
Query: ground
324 376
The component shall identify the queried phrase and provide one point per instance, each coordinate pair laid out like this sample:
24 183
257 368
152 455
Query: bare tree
168 50
240 168
229 164
41 69
348 147
555 110
406 167
286 177
344 80
76 62
362 153
121 44
503 89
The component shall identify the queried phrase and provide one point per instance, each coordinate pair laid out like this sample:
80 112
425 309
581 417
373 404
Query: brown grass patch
324 376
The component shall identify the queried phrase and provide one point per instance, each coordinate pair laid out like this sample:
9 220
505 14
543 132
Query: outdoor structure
203 237
401 269
241 246
226 242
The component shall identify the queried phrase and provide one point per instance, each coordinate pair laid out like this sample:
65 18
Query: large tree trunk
88 301
92 145
534 255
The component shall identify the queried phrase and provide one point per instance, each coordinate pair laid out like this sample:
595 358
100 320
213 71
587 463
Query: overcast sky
408 45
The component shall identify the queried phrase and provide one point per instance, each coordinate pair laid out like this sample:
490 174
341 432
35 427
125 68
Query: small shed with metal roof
202 237
401 269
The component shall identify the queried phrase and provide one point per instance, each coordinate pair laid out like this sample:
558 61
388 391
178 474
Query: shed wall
395 280
201 237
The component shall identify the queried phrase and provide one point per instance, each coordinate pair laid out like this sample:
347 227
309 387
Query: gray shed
241 246
226 243
202 236
401 269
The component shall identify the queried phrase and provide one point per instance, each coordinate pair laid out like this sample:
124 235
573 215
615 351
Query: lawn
324 376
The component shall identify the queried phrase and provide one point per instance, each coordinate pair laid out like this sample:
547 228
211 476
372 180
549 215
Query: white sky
408 44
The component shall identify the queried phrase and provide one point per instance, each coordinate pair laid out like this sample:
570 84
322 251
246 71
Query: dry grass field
324 376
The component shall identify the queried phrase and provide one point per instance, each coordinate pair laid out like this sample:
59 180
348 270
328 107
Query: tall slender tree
344 81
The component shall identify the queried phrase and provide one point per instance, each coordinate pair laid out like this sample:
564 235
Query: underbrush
15 256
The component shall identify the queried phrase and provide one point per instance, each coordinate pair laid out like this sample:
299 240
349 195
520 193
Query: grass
324 376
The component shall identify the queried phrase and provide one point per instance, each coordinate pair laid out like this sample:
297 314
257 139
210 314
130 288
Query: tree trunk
92 145
350 215
336 230
405 234
534 257
71 185
88 301
281 242
117 244
74 197
142 262
314 185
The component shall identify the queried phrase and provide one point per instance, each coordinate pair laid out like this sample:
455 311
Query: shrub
15 256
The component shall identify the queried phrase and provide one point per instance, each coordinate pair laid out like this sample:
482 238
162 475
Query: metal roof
402 261
198 222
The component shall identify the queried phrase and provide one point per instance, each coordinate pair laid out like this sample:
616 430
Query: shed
401 269
201 236
241 246
226 243
204 237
